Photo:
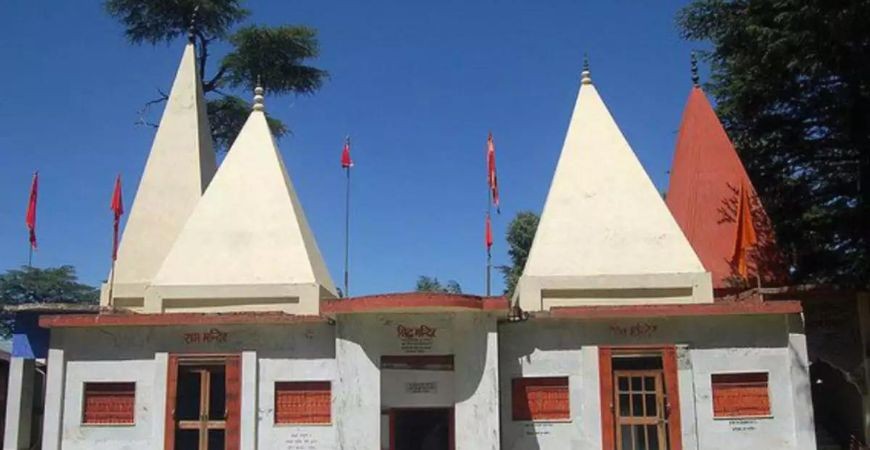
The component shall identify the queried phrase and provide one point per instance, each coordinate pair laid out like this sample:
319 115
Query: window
541 399
740 395
109 403
303 402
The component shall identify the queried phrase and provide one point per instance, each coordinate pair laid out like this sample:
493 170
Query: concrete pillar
249 401
688 414
357 390
158 397
587 395
54 400
476 412
19 403
799 371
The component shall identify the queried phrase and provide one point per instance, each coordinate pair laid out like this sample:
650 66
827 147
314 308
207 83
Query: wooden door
640 410
203 403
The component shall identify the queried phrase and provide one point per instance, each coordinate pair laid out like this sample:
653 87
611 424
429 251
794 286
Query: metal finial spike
191 28
585 76
695 77
258 96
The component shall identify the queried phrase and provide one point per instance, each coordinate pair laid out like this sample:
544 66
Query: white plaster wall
361 341
476 359
565 361
109 437
140 354
705 346
775 432
293 437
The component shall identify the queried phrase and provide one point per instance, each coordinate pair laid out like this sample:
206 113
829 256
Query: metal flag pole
488 267
347 228
488 247
111 301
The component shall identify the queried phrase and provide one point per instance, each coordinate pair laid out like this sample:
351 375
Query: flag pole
111 301
347 229
29 255
489 247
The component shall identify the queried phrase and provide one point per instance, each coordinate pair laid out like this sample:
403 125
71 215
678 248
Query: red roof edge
725 308
413 301
172 319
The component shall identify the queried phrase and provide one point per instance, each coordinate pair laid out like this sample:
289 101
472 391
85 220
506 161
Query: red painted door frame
605 377
233 363
451 433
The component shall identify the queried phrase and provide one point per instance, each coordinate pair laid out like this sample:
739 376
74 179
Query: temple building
222 328
707 178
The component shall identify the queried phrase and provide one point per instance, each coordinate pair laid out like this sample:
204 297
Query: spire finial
695 77
258 96
191 27
585 76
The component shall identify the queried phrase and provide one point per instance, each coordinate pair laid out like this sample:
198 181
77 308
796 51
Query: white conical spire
179 168
605 230
247 245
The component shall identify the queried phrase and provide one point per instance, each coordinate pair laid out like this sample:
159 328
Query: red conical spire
704 196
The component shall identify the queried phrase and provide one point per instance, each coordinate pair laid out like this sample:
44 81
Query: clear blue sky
416 84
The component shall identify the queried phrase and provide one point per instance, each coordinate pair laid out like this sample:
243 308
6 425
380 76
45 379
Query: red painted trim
171 319
233 432
412 300
672 385
171 392
702 309
233 363
605 382
605 376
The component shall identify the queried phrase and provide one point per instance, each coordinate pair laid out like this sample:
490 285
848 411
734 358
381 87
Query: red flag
746 236
492 178
118 210
30 218
488 235
346 162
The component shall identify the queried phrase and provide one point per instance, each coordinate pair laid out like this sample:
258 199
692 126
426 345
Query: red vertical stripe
605 381
234 402
171 394
672 388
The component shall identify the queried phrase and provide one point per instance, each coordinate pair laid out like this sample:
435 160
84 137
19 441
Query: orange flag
746 236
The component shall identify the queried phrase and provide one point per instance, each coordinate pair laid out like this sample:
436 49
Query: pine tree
275 55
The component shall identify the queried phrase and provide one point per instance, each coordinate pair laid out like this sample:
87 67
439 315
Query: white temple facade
224 329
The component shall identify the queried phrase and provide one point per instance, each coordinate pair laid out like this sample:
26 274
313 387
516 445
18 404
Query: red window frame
744 394
303 402
540 399
109 403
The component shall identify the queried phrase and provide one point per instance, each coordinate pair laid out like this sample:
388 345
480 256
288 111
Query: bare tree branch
147 107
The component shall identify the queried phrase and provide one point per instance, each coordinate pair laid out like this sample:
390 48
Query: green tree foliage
49 285
521 233
432 284
792 84
277 55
